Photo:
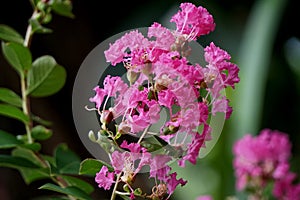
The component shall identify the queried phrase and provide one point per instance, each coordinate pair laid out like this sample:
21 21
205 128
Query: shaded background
270 77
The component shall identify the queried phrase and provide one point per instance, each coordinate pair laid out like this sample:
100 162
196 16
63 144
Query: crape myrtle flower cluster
262 160
160 79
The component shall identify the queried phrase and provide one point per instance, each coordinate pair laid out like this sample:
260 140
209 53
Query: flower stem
144 133
26 109
114 193
25 99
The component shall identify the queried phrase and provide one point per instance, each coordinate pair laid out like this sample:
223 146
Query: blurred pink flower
261 158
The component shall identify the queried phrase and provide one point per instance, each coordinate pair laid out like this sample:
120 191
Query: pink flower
125 161
215 55
104 178
193 21
142 111
166 98
172 183
117 51
114 86
163 36
159 167
222 105
285 189
263 157
217 59
193 150
98 98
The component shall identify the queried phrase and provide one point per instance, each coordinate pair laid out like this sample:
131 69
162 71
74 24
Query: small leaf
67 161
54 82
76 182
10 97
63 8
92 166
33 146
40 120
13 112
73 191
41 68
37 27
10 35
45 77
16 162
29 155
8 140
18 56
41 133
29 175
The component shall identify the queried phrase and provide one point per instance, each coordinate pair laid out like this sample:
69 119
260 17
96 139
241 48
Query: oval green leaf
73 191
13 112
67 162
40 132
92 166
45 77
18 56
10 97
63 8
16 162
10 35
30 175
79 183
29 155
8 140
37 27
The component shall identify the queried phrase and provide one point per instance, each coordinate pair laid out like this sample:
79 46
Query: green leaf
37 27
30 175
76 182
73 191
16 162
10 97
13 112
40 120
33 146
18 56
67 162
41 68
10 35
92 166
8 140
40 132
45 77
49 159
29 155
63 7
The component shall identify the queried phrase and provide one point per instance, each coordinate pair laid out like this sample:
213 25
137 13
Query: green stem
114 192
26 102
26 109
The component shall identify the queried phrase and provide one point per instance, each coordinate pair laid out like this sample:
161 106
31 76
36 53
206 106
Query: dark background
94 21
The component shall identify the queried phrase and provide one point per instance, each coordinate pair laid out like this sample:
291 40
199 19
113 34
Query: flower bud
106 117
147 68
132 76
